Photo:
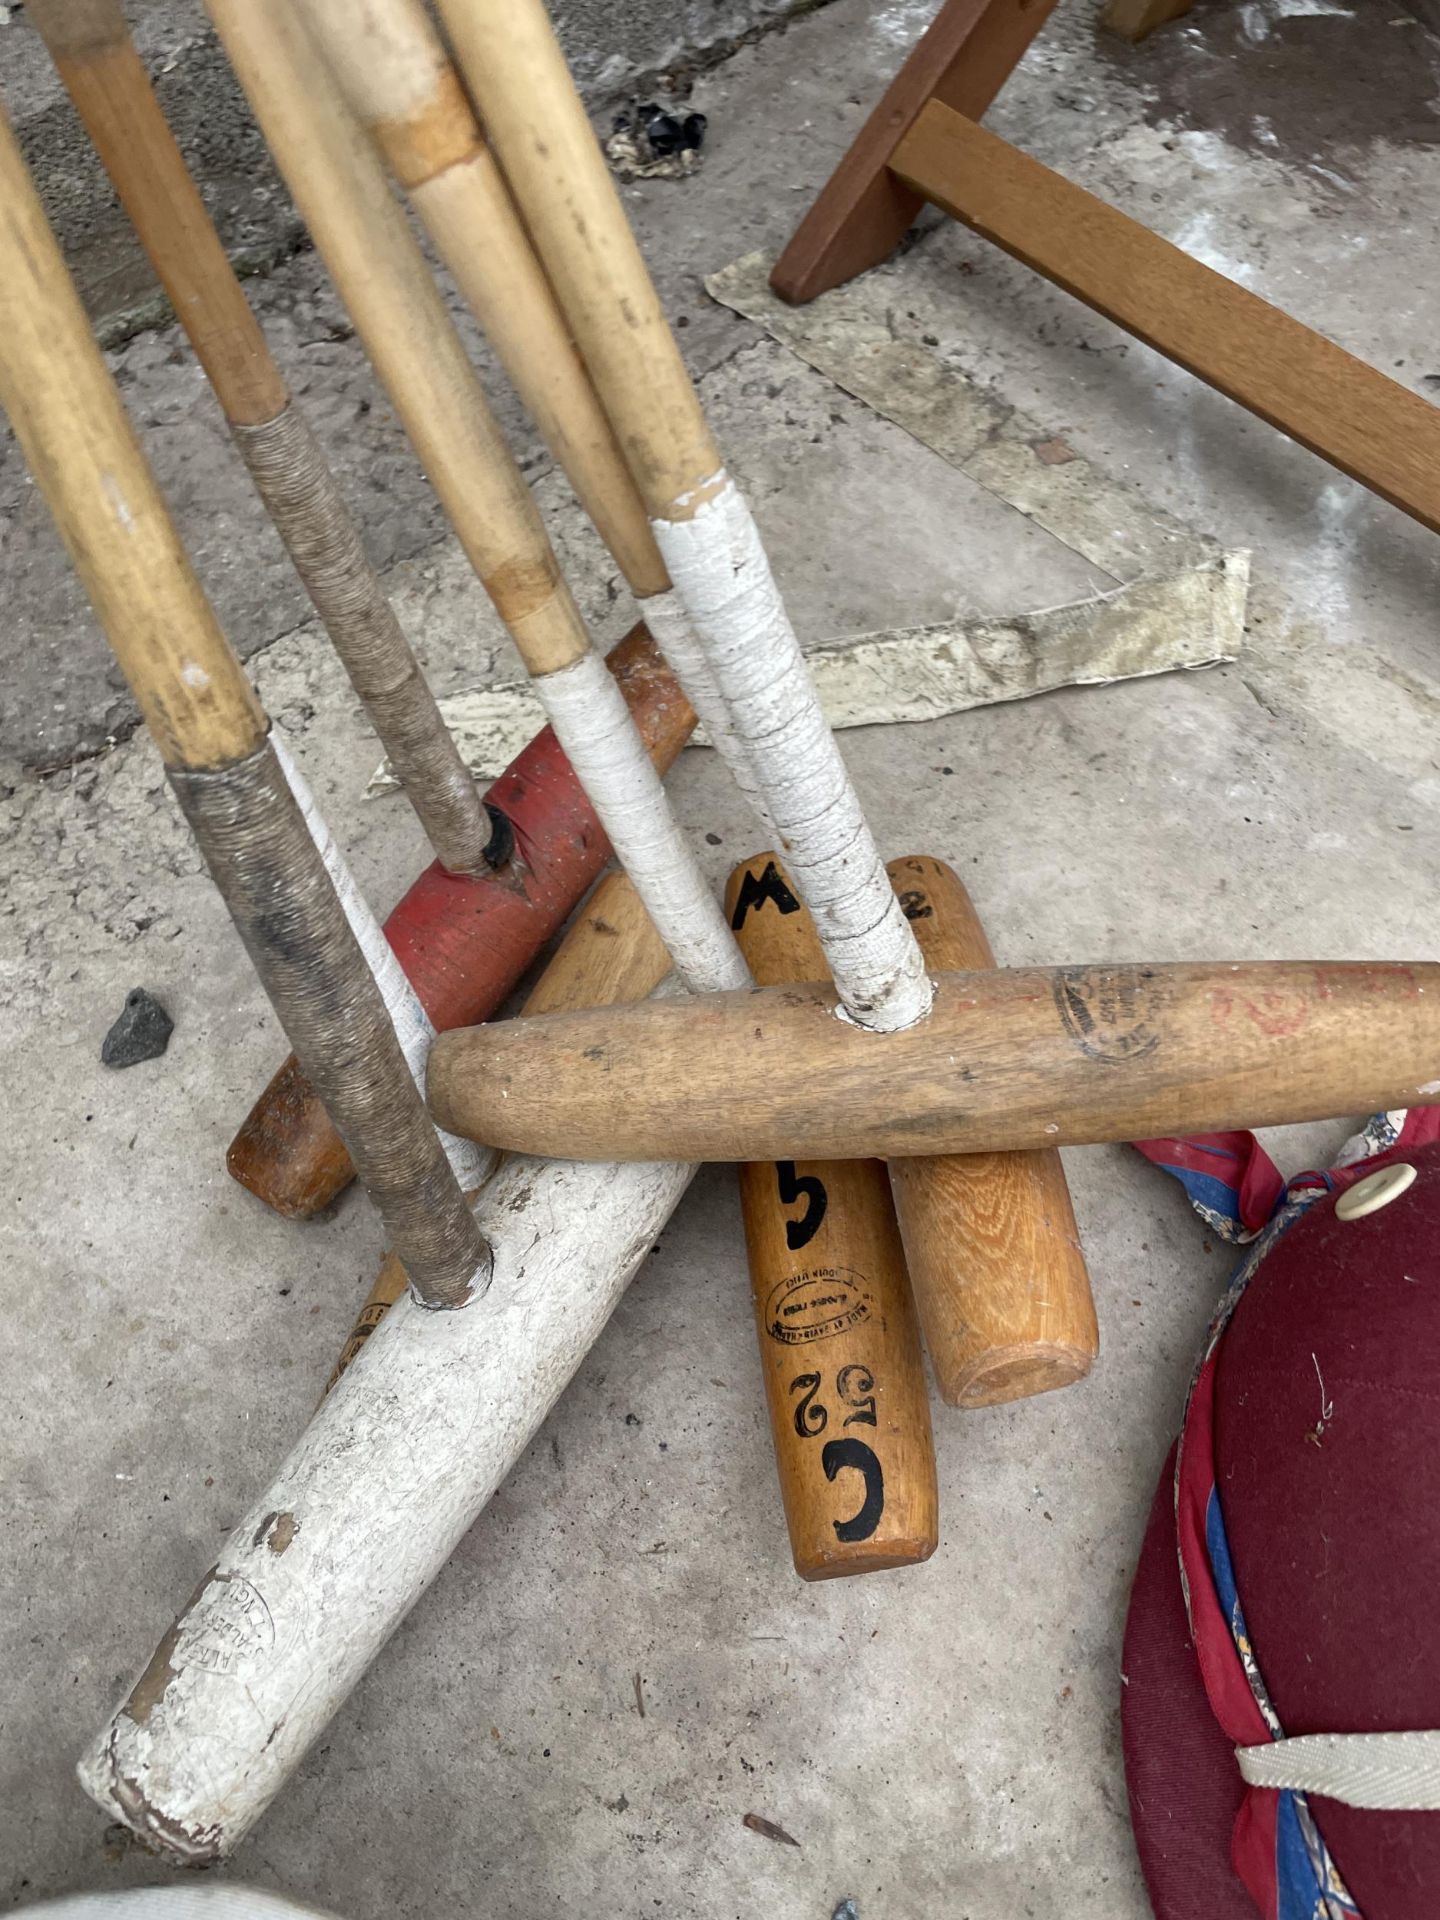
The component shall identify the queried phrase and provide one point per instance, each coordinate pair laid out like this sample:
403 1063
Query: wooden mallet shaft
990 1238
1020 1058
399 82
212 737
834 1318
96 58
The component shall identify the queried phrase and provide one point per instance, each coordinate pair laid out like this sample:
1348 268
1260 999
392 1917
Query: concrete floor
943 1740
636 49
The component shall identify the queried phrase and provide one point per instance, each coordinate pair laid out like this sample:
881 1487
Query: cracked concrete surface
939 1740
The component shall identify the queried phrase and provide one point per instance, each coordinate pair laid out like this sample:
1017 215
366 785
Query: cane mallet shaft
516 74
611 955
990 1238
395 75
96 58
398 80
372 256
212 737
834 1317
1022 1057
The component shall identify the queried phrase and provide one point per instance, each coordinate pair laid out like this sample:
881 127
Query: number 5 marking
802 1186
855 1385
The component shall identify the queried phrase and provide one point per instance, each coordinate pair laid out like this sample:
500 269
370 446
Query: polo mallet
834 1319
439 1405
1012 1060
749 665
213 739
611 954
401 318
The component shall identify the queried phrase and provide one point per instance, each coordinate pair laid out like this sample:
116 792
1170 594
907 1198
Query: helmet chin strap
1392 1772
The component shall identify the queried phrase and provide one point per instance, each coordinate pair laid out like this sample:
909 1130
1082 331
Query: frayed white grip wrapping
392 1470
593 724
469 1162
721 573
674 634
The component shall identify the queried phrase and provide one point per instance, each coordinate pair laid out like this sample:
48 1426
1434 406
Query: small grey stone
142 1031
847 1910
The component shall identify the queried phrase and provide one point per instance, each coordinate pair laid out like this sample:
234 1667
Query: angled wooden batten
923 144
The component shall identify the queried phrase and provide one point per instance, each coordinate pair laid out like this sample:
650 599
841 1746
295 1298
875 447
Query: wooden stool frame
923 143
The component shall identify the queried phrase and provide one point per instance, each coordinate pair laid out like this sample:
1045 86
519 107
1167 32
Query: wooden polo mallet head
990 1241
834 1318
1012 1059
990 1238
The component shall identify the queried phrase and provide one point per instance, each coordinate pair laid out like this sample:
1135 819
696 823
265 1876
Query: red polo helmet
1289 1581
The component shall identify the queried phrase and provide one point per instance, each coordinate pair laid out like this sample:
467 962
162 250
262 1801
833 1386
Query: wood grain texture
864 210
834 1318
1368 426
1019 1058
611 955
990 1238
464 942
84 456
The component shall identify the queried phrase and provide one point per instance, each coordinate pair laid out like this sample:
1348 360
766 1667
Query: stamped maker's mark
1106 1011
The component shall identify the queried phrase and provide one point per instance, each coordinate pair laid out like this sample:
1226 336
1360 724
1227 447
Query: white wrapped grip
721 573
594 726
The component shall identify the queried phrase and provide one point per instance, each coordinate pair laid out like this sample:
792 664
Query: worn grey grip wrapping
300 495
258 848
